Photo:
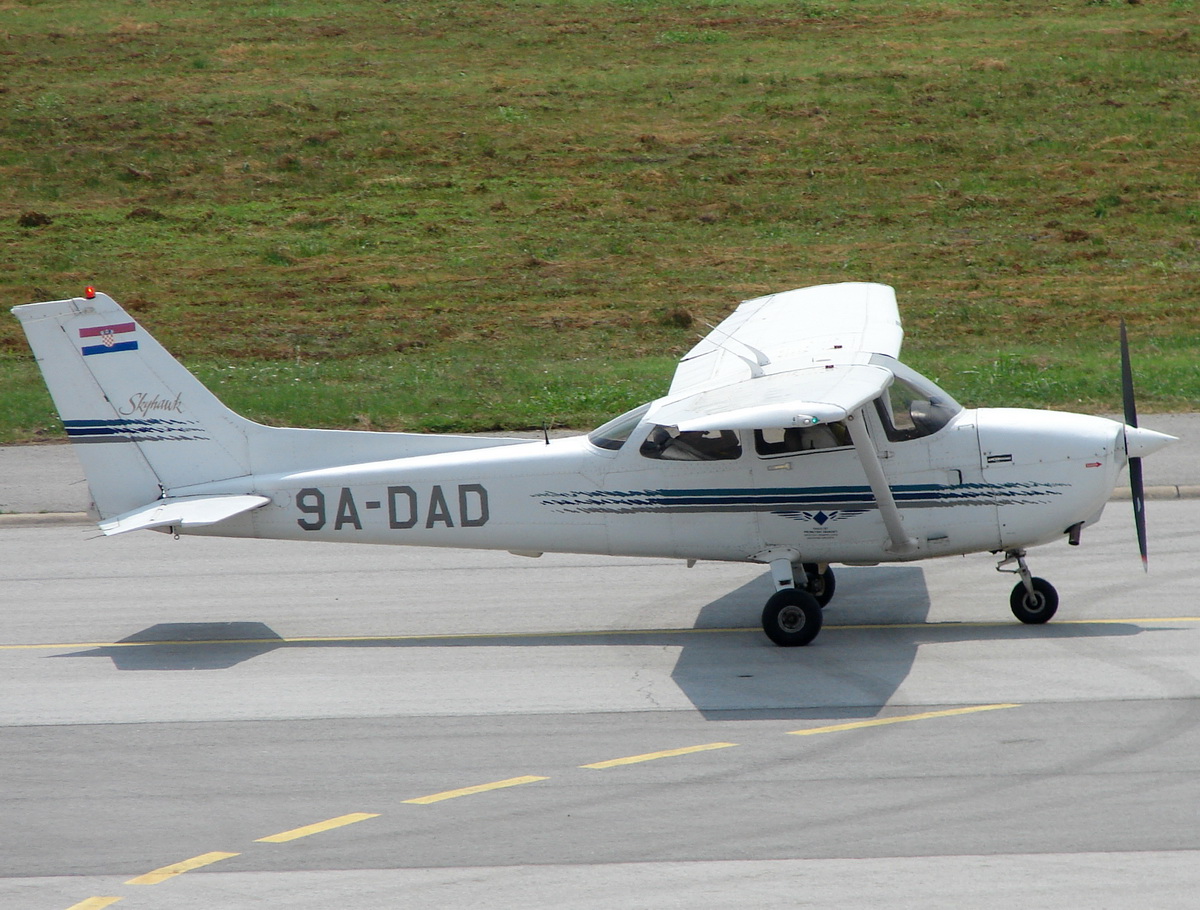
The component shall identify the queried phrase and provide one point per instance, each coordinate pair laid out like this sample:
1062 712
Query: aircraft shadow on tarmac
872 633
727 669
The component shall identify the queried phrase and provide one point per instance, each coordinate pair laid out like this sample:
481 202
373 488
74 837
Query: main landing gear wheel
820 584
1035 608
791 618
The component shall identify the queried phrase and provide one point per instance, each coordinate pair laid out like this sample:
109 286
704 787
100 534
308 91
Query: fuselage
985 480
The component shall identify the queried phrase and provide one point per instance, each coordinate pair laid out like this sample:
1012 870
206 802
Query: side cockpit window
670 444
795 440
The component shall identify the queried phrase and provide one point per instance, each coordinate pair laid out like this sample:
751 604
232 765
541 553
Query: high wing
789 359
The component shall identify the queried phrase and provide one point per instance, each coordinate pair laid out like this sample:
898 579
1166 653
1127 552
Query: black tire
821 585
1037 608
791 618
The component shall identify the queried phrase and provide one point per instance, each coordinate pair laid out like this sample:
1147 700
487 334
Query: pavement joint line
903 718
585 633
163 873
470 791
651 756
317 828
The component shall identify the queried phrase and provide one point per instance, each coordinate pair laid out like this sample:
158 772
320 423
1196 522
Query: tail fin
145 428
141 423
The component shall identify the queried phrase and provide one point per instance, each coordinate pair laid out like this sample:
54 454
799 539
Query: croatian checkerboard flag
108 337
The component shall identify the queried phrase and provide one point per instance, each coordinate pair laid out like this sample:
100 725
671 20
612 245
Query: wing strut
869 457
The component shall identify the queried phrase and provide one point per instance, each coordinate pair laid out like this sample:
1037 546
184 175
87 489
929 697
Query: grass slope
480 215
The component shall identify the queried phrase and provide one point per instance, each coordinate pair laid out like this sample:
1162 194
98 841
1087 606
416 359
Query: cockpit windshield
613 434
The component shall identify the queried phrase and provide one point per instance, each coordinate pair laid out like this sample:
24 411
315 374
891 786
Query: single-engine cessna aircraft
791 436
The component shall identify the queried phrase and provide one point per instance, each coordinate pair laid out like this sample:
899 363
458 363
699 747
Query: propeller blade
1137 488
1127 380
1138 492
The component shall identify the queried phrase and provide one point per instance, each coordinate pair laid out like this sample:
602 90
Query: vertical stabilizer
140 422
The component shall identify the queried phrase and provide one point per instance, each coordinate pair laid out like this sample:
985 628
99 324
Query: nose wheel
1033 600
1034 607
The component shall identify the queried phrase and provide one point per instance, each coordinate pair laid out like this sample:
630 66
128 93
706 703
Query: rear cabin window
670 444
794 440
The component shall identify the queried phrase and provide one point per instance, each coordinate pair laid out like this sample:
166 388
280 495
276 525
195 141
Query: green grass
520 389
483 215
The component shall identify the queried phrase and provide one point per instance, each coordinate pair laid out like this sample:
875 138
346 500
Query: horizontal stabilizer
184 511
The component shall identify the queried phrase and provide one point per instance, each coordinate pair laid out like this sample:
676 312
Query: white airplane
791 436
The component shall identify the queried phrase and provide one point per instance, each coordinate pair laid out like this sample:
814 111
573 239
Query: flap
793 399
184 511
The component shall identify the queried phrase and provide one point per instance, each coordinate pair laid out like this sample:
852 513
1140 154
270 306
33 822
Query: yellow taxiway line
470 791
328 825
586 633
166 872
651 756
904 718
